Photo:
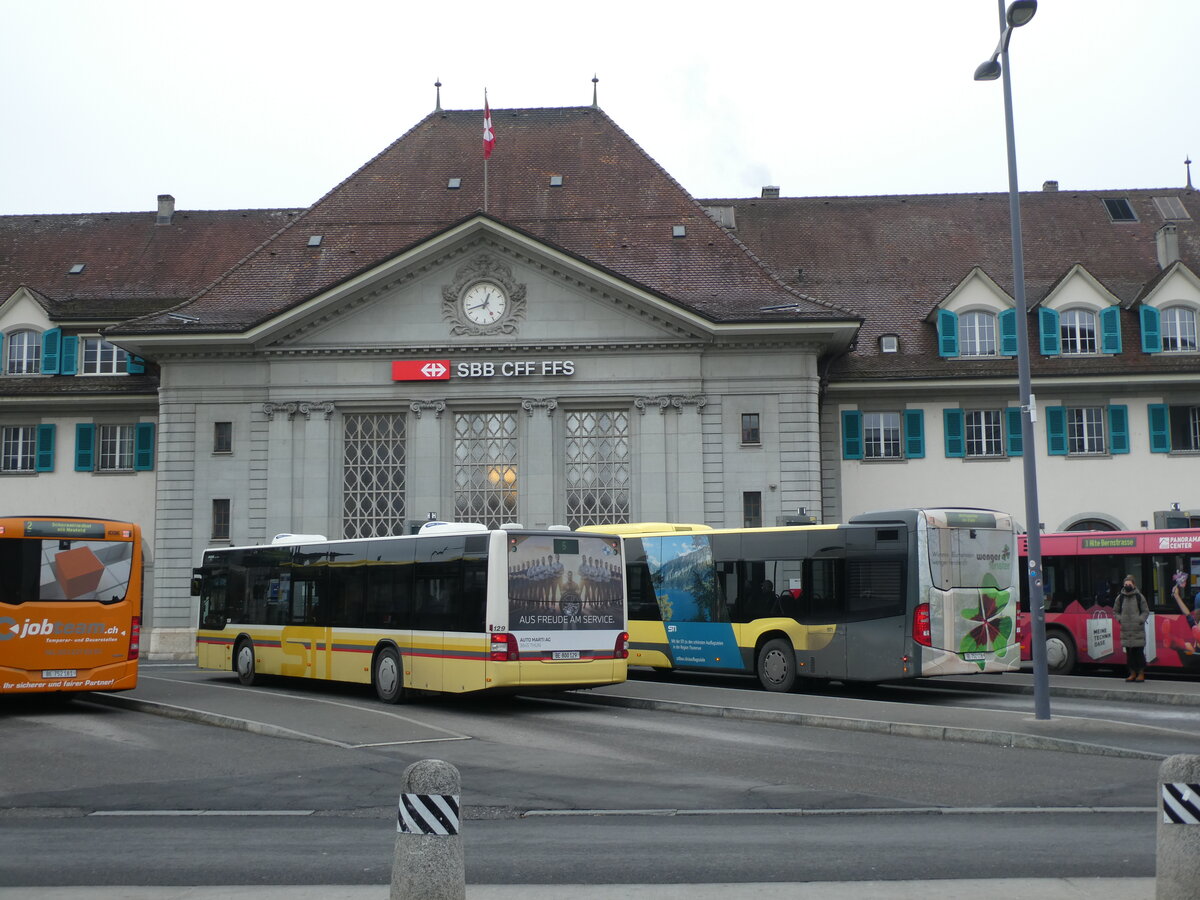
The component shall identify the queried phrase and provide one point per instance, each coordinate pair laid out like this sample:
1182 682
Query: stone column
428 462
537 483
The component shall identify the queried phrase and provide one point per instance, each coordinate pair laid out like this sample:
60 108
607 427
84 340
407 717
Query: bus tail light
921 626
621 650
135 637
504 648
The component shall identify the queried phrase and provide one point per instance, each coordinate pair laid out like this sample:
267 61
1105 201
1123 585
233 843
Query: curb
1007 739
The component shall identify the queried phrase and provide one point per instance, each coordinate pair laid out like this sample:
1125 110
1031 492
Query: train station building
566 336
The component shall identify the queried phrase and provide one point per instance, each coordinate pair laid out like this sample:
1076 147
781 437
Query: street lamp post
1019 13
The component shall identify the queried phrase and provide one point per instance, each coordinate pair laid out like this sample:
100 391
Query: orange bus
70 604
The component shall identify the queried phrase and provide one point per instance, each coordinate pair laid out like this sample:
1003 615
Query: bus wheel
388 677
243 661
776 666
1060 652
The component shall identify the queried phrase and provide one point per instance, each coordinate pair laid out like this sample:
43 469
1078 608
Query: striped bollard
1178 845
428 863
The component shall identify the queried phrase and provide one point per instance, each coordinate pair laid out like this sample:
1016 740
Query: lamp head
1020 12
988 71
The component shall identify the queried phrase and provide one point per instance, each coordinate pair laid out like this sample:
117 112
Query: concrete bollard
428 863
1178 845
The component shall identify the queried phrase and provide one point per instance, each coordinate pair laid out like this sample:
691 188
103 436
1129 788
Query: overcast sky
258 103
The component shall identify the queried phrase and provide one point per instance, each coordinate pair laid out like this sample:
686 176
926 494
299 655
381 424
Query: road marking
202 812
866 811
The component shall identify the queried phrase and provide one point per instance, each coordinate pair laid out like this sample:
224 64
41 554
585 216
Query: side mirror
197 580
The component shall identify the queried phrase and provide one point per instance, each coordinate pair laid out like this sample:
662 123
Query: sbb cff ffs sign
441 370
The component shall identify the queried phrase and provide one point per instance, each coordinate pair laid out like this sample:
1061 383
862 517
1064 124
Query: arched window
977 334
1179 329
23 355
1077 330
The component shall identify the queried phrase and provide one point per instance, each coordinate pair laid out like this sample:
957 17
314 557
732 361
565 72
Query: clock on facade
484 303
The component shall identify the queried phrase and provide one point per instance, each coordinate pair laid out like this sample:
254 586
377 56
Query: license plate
58 673
971 657
565 654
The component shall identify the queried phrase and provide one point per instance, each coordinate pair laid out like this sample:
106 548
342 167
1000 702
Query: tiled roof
615 208
131 266
892 259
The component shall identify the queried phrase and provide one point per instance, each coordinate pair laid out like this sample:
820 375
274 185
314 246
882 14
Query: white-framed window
115 448
1085 430
1077 330
18 448
984 432
23 355
1179 329
881 435
102 358
977 334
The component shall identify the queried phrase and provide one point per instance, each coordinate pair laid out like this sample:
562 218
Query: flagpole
489 141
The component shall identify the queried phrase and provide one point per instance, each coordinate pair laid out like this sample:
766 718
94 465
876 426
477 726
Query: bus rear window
68 570
964 557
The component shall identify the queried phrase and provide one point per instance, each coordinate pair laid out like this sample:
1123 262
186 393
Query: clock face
484 303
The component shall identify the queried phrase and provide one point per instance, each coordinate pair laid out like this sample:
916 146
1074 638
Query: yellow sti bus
70 604
457 608
888 596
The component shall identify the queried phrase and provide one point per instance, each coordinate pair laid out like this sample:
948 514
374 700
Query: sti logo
421 370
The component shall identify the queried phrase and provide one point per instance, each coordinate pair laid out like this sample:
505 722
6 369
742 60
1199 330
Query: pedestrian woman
1132 611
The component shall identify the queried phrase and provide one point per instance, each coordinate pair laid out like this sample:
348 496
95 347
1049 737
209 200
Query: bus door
437 587
875 596
822 610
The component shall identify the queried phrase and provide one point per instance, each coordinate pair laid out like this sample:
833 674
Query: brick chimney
166 209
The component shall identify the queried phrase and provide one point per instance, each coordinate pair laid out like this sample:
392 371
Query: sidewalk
950 889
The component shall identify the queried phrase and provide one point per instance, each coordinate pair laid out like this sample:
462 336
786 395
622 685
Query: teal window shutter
143 447
1118 429
1056 430
952 425
85 447
1008 332
135 365
1151 330
1160 427
852 443
1048 328
1110 329
1 352
914 433
51 347
69 362
1013 437
45 448
947 326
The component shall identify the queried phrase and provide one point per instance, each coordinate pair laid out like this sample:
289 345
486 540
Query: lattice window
598 467
486 488
373 500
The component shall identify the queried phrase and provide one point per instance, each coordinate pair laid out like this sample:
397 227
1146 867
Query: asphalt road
554 791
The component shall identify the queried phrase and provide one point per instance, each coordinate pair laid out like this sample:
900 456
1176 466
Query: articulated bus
1082 572
456 608
888 596
70 604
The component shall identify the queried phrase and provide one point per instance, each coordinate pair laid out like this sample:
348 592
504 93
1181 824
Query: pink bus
1083 572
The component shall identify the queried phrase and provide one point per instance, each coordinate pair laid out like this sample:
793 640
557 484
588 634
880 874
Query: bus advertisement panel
1082 574
70 604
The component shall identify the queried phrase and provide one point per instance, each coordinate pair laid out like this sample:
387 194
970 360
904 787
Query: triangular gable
1176 282
976 290
1075 285
25 306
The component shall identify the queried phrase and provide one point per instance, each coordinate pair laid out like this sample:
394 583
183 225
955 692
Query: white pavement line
456 735
202 812
866 811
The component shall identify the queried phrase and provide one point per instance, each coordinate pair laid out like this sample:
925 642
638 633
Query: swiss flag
489 136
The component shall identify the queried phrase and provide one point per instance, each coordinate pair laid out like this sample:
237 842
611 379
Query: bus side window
821 602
